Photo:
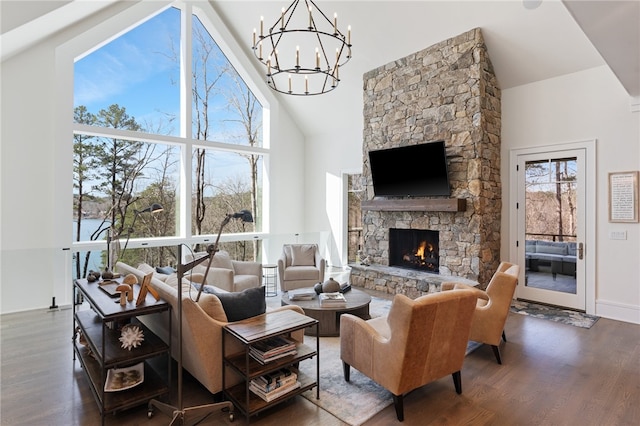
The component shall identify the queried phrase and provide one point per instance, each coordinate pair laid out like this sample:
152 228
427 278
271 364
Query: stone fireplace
445 92
414 249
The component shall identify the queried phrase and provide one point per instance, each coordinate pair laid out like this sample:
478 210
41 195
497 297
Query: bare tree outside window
115 176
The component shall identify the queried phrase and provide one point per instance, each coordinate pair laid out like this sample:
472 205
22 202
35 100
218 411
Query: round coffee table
329 316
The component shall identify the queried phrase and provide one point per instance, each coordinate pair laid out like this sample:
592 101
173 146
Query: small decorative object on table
126 293
131 336
119 379
330 286
130 279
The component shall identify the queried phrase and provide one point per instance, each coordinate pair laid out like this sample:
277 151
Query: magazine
272 348
276 393
302 294
263 360
275 380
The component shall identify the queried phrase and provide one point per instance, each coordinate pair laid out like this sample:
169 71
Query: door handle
580 251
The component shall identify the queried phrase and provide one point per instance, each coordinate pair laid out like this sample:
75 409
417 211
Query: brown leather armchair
420 341
492 307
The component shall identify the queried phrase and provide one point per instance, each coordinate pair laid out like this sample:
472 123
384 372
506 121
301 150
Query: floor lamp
196 414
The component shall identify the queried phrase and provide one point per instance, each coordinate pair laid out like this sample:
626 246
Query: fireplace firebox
414 249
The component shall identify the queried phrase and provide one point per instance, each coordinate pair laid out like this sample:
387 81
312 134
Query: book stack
332 299
274 385
302 294
272 348
345 287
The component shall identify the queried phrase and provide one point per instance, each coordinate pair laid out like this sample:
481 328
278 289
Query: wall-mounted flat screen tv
410 171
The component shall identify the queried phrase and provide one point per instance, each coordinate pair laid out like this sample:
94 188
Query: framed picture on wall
623 197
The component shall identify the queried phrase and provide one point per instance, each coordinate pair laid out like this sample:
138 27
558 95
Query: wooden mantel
417 205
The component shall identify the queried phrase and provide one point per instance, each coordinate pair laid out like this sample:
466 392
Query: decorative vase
107 274
318 288
330 286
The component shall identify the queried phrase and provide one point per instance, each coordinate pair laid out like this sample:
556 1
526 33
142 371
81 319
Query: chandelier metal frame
282 74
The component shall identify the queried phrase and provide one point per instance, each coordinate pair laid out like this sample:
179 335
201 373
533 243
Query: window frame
184 142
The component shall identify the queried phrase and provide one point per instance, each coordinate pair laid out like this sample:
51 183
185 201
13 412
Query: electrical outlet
617 235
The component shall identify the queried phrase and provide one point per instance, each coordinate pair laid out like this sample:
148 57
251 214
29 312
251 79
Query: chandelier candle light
297 50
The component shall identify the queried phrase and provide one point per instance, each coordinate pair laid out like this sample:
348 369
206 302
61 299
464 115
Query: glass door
551 228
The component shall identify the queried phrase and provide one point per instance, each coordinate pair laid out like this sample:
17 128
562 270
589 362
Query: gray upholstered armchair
420 341
300 265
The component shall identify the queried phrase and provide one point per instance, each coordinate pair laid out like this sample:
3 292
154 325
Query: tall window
130 137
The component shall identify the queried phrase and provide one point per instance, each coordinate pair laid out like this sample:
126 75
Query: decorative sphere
318 288
91 278
330 286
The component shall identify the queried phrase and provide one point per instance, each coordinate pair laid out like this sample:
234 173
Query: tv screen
410 171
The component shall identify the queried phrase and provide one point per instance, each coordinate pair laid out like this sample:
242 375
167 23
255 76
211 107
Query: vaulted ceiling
527 40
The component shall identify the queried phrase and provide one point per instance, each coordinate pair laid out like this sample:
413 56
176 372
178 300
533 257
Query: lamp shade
153 208
244 215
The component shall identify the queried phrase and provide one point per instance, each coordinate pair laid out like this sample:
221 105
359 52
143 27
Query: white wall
328 157
577 107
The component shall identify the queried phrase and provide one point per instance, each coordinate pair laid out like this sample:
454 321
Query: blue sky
138 71
135 71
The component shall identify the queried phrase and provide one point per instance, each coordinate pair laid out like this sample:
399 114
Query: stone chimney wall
445 92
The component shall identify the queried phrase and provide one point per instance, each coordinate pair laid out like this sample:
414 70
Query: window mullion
186 97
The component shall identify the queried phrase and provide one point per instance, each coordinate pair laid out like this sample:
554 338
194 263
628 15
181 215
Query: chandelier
303 51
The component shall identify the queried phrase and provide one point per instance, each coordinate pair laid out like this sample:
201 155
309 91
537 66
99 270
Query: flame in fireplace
423 250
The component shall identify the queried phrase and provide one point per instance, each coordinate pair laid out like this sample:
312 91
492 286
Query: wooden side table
269 278
253 330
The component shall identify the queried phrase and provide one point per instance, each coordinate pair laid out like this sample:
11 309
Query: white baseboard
618 311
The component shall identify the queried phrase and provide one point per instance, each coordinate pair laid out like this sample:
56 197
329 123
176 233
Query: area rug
551 313
361 398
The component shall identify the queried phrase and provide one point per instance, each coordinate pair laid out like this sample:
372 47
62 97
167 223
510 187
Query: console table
102 350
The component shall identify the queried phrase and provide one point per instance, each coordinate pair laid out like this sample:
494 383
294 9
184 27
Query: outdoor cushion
221 260
551 247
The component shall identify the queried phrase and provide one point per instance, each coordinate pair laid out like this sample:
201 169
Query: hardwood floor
552 374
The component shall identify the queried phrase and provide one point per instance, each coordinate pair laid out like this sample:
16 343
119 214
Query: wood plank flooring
552 374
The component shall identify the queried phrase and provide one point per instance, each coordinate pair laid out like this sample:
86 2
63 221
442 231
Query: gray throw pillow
240 305
166 270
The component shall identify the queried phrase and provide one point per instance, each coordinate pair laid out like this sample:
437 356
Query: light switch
617 235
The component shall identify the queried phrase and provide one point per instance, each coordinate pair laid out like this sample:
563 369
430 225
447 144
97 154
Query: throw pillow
172 281
240 305
146 268
221 260
166 270
303 255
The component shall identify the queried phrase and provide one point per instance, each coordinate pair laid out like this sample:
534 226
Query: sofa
202 324
560 255
228 274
